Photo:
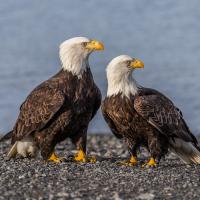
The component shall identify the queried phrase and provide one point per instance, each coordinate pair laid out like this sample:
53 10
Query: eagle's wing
37 110
108 119
160 112
97 102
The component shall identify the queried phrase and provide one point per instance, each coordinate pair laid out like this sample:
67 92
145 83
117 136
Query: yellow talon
54 158
81 157
92 159
131 162
151 163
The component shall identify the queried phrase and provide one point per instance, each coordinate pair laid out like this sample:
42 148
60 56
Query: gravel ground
35 179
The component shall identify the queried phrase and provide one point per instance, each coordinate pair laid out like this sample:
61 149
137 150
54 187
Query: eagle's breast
80 92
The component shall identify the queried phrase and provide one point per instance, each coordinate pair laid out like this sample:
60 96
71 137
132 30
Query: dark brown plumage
59 108
147 118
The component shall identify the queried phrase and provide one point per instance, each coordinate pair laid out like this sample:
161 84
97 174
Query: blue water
164 34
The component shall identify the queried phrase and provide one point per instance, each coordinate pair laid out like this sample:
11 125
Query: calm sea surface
164 34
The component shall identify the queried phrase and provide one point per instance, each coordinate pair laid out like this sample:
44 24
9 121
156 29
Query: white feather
25 148
73 55
185 150
13 151
120 78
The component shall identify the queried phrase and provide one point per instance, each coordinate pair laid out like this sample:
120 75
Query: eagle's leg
158 147
80 141
132 148
47 145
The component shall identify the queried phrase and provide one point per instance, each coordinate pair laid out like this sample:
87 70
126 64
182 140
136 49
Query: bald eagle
60 107
145 117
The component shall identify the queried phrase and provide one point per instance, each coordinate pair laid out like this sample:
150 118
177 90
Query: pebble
33 179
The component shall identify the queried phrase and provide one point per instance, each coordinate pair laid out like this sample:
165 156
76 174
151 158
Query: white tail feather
13 151
185 150
25 148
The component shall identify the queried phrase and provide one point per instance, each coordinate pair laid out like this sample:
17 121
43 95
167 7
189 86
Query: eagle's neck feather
125 85
74 62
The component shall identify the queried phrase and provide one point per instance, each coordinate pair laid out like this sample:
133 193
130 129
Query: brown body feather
147 119
58 108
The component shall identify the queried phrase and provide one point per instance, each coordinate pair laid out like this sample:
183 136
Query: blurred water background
164 34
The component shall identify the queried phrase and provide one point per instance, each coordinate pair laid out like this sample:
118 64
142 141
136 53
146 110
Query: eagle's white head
119 75
74 53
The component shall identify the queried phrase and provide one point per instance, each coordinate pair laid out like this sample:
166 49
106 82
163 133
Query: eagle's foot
151 163
91 159
81 157
130 163
54 158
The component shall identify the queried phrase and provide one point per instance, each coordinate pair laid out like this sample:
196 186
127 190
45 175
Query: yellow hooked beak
95 45
137 64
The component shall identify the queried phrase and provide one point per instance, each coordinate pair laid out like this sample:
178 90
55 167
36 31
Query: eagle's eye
84 44
128 63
